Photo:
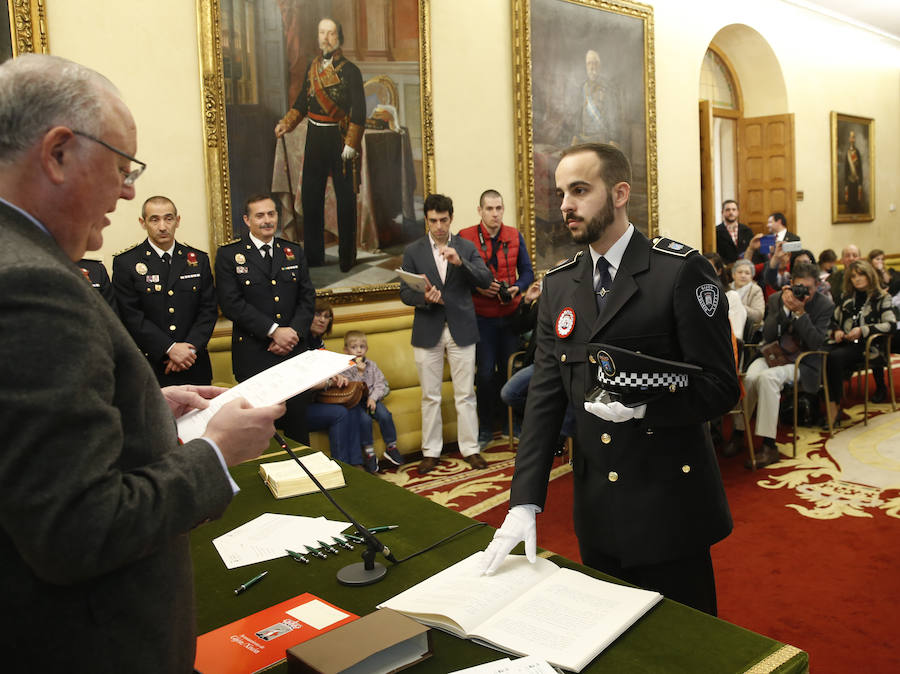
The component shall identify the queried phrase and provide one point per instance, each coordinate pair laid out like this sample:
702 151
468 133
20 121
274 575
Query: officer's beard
598 224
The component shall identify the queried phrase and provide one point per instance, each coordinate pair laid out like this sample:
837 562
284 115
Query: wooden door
766 169
707 184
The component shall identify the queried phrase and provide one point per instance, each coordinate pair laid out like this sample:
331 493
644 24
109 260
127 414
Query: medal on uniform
87 274
192 259
565 322
289 253
239 258
158 287
140 268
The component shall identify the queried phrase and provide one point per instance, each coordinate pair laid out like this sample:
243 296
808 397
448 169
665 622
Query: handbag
774 354
348 396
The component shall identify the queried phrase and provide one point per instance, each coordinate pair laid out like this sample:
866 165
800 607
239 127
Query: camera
503 292
800 291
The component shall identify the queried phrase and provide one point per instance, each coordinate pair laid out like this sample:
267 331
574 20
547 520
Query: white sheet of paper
414 281
317 614
271 386
527 665
269 535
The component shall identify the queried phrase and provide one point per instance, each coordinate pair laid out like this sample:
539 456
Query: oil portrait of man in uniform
852 168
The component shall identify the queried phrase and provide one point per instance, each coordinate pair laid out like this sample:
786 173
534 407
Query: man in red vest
503 250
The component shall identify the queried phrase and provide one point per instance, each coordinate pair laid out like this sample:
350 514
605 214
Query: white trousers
430 364
763 385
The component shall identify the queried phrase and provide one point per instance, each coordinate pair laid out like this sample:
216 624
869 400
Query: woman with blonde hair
865 310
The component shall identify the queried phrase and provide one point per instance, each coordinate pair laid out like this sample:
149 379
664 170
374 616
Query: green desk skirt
670 638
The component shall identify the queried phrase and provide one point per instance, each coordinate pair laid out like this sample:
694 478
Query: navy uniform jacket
96 274
458 310
159 312
254 298
646 491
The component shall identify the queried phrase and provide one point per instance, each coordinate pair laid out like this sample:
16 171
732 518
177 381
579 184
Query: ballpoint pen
387 527
253 581
315 553
297 557
344 544
355 539
333 550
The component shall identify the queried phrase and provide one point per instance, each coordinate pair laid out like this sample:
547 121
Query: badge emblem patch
239 258
565 322
192 258
708 297
140 268
607 364
289 253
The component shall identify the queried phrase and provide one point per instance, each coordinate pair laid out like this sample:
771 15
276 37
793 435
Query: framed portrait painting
852 168
325 105
23 28
585 73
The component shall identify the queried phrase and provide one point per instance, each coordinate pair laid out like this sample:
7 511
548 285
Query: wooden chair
862 375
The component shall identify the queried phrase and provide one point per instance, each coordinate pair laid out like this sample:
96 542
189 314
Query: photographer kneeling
797 320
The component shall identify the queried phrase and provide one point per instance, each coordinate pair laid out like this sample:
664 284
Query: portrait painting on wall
852 168
323 109
23 28
587 77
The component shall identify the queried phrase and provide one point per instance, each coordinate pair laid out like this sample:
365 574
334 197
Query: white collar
259 243
616 251
160 251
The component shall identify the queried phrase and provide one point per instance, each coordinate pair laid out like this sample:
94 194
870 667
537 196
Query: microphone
368 571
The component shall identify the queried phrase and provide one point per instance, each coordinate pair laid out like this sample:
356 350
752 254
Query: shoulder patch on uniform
131 247
231 241
566 264
671 247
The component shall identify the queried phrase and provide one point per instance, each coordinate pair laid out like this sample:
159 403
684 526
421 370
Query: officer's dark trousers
322 158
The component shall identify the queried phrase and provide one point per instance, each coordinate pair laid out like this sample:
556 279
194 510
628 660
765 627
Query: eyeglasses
130 176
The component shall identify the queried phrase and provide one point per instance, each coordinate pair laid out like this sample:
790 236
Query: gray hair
741 263
40 91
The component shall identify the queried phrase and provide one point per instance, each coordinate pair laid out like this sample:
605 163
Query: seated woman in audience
827 261
889 279
749 293
865 310
737 314
342 424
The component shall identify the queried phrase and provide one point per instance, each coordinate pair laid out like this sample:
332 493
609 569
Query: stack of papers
270 535
286 478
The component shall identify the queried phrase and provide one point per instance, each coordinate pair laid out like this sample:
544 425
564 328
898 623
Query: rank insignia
708 297
289 253
565 322
239 258
241 270
192 259
140 268
152 278
158 287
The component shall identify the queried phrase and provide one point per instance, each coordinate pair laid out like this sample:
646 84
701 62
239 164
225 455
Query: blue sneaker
393 455
370 461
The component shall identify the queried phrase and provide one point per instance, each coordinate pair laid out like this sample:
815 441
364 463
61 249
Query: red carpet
813 559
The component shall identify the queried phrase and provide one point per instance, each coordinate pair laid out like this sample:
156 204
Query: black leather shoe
427 464
764 457
879 396
734 446
476 461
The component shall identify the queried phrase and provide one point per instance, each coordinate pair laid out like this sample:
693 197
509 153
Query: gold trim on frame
524 119
869 215
28 27
216 138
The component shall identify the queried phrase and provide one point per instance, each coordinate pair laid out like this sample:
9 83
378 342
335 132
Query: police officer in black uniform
166 298
333 98
648 496
264 288
95 273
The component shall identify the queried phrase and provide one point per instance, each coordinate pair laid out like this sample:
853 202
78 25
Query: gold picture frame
558 49
215 130
27 29
852 168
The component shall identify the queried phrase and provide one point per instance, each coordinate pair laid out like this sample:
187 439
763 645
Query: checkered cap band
644 380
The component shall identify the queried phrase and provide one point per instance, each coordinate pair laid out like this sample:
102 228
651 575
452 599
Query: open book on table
562 616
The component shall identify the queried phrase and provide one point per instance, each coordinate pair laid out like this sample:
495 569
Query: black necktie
165 270
267 256
167 258
604 283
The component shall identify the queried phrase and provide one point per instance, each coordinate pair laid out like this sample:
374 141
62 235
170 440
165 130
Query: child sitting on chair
367 371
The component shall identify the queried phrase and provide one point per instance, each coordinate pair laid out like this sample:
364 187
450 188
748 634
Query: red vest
507 257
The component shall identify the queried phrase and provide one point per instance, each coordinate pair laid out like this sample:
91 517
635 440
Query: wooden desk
671 638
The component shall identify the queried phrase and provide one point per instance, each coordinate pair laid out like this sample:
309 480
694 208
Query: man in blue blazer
445 323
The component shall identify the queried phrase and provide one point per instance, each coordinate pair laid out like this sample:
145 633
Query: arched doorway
746 133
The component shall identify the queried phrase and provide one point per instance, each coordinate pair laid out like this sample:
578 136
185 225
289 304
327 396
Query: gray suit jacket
96 496
457 311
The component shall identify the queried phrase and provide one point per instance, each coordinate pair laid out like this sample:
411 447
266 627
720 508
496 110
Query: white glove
518 526
615 412
348 153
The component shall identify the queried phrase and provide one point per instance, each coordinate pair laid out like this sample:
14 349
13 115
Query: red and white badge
565 322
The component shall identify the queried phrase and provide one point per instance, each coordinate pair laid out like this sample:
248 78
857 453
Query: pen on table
315 553
333 550
387 527
340 541
253 581
354 539
297 557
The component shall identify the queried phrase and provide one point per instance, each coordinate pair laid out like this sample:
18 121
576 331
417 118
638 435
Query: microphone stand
368 571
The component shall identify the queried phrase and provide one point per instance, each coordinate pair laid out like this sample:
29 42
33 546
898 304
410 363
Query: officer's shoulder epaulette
671 247
565 265
131 247
228 243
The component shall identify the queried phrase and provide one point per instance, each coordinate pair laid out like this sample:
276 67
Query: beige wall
150 51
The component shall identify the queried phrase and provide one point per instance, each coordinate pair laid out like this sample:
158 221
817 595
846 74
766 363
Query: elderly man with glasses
96 495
